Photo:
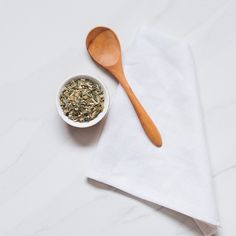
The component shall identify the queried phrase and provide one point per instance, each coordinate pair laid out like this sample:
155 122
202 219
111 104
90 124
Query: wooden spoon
104 48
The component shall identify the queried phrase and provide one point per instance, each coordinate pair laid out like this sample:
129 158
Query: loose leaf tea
82 100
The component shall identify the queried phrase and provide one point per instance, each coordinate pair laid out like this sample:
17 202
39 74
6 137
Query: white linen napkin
177 176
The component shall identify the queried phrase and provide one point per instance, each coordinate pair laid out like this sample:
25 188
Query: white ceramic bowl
89 123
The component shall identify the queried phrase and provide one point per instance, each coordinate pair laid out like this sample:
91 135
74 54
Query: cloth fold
177 176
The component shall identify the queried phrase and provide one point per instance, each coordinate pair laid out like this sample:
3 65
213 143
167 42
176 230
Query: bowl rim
89 123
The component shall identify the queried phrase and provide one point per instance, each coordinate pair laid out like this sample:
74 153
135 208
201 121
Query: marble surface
43 162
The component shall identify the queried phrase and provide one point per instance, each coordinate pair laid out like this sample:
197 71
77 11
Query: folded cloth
177 176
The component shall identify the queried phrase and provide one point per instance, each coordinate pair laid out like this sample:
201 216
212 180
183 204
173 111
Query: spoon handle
145 120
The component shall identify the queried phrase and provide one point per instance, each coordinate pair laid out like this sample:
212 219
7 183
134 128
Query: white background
43 186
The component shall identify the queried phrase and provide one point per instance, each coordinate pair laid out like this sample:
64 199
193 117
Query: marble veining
43 163
232 167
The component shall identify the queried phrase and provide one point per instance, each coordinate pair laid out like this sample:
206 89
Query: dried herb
82 100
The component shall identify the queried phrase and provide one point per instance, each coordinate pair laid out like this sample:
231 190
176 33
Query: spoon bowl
106 51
